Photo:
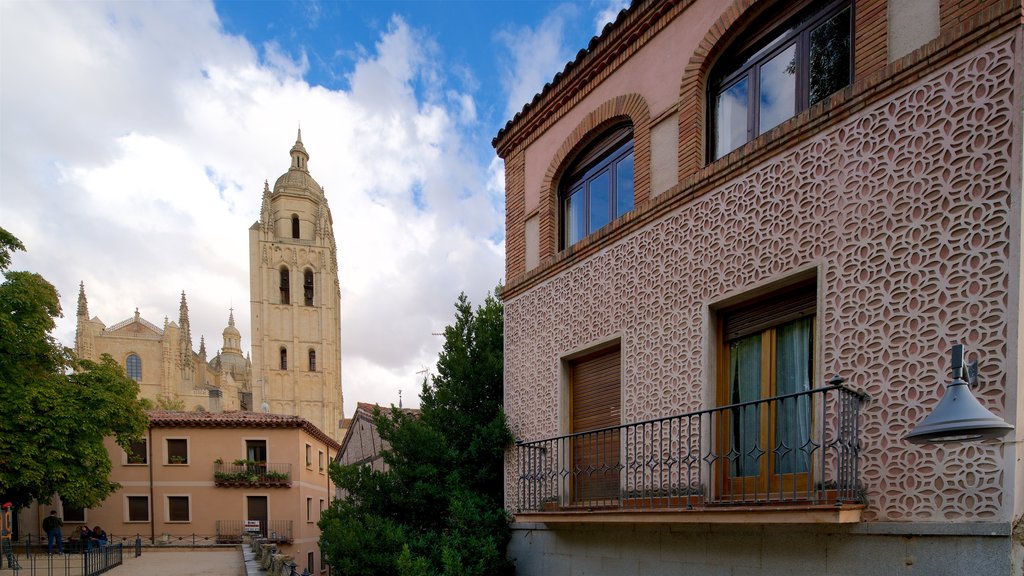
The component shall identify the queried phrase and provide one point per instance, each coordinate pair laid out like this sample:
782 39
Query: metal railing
800 448
89 561
252 474
231 531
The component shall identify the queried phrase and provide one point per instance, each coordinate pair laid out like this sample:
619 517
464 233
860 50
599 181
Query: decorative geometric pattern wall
905 207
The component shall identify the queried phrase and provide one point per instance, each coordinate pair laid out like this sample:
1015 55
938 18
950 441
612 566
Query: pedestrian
52 525
99 535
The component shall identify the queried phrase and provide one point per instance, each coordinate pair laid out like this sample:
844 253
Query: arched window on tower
307 287
133 365
284 358
295 226
285 287
312 360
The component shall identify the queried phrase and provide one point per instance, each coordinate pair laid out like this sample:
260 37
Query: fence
231 531
89 562
799 448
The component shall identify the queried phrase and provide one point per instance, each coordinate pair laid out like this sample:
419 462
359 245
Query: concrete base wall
751 550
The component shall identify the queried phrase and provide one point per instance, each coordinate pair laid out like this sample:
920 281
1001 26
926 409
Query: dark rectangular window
256 450
177 509
285 287
309 509
284 358
177 451
309 455
74 515
312 360
137 453
307 287
138 508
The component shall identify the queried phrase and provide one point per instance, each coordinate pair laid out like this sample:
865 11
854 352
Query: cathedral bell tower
296 301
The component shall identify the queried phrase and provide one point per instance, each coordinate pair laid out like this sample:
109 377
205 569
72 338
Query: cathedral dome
297 178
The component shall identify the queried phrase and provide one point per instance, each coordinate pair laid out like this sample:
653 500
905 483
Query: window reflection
777 94
830 56
731 118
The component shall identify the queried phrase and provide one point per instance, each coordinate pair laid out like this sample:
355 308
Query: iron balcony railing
252 474
799 448
231 531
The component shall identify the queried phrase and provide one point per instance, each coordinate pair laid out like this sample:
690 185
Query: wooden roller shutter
596 386
596 391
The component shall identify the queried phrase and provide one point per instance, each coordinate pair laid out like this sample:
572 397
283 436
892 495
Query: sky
135 139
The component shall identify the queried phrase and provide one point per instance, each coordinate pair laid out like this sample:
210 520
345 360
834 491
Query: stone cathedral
295 299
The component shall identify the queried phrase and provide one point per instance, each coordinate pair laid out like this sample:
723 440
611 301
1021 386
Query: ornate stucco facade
296 300
898 198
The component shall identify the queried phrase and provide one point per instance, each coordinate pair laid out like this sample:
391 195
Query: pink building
210 477
715 208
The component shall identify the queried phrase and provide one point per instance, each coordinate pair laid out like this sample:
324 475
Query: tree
438 507
55 410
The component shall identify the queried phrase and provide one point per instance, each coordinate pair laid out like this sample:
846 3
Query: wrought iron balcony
230 531
259 474
790 451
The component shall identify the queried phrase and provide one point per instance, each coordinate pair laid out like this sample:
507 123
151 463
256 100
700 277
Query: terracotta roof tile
235 419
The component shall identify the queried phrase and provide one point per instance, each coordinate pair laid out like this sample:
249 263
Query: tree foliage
438 507
55 410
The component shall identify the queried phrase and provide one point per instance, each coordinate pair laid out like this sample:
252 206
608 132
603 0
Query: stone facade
296 300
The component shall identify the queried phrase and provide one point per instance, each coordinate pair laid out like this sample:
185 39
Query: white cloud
608 14
535 56
136 139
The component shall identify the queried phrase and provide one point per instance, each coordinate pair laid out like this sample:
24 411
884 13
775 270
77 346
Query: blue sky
135 138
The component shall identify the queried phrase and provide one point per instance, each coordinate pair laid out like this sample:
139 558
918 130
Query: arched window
284 358
295 226
285 287
312 360
777 70
133 365
307 287
598 186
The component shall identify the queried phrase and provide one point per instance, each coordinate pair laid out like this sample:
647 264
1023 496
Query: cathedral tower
296 301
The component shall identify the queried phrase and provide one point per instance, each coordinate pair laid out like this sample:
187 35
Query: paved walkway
182 562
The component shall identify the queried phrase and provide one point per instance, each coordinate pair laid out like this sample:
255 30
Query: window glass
256 450
177 509
829 66
74 515
137 453
574 216
138 509
177 451
777 90
799 62
624 186
284 359
731 118
309 455
600 188
133 366
744 386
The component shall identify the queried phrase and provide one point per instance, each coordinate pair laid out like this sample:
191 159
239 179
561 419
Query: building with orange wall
202 476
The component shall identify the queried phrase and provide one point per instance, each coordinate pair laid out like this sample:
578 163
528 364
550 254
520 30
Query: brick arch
693 87
627 106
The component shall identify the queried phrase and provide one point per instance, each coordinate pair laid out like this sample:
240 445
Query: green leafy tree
438 507
55 410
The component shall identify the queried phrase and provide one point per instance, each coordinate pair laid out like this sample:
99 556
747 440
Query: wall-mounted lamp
958 417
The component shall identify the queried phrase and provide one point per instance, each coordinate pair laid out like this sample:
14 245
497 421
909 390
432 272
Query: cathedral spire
299 155
83 304
183 324
231 317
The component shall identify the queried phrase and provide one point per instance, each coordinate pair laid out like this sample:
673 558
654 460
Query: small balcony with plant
245 473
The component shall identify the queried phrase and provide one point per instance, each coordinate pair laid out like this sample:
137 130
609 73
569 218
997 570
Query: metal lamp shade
958 417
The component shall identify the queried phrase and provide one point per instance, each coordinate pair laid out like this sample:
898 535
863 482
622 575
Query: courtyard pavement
187 562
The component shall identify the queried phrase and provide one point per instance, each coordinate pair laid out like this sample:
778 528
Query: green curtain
745 385
794 344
